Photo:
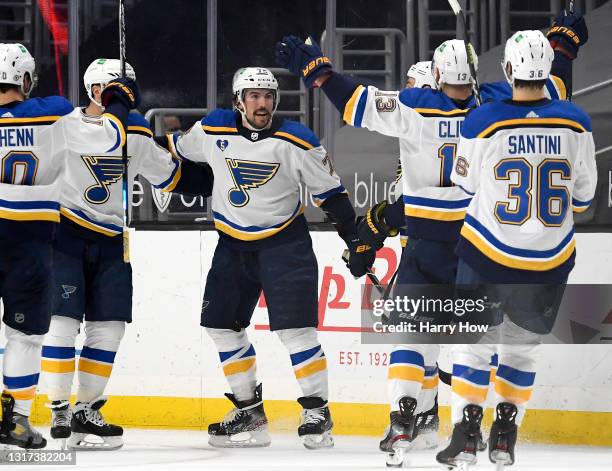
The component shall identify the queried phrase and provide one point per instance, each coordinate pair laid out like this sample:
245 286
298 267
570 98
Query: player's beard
260 120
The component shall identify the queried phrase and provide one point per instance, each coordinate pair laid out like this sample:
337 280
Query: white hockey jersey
34 135
527 166
92 191
256 193
427 123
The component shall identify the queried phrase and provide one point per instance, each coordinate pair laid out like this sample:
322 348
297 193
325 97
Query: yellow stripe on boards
540 425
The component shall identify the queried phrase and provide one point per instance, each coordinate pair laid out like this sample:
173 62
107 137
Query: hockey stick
469 49
124 149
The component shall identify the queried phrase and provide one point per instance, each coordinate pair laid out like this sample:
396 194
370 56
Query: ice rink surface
177 450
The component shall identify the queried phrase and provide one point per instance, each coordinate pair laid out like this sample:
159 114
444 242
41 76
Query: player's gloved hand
361 257
570 32
372 229
124 90
302 59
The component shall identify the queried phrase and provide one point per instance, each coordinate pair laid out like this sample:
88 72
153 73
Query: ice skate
245 426
502 438
400 433
427 425
89 429
461 451
15 428
315 424
60 422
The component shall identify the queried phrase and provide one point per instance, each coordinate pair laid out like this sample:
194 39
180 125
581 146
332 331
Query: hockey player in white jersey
528 163
34 133
91 278
258 161
427 123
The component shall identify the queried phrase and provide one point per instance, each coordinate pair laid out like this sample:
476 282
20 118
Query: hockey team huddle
488 189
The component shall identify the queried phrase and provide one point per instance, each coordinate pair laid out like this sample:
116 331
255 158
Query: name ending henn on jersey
534 144
16 137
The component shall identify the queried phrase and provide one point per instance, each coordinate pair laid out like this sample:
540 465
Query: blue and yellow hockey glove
302 59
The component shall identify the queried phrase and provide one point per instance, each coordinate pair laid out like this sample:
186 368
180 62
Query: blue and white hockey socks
102 341
413 373
308 360
21 368
237 357
58 357
472 372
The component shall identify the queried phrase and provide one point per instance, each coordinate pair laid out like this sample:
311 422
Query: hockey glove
373 229
569 32
361 257
302 59
124 90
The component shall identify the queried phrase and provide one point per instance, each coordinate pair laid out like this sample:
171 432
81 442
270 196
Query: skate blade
463 461
89 442
315 442
395 458
241 440
501 459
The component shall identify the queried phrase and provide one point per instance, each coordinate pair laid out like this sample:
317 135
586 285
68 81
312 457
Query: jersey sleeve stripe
321 197
293 139
172 181
361 105
434 203
434 112
40 120
140 130
120 131
466 191
580 206
532 123
558 86
172 146
219 130
349 109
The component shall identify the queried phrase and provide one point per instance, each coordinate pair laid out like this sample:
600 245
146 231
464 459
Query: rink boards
167 372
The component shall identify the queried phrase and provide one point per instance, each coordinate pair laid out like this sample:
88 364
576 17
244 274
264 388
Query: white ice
149 449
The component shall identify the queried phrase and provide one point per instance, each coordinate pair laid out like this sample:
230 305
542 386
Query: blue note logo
106 170
222 144
248 175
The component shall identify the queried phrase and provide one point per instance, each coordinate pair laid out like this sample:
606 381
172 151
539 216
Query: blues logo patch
248 175
106 170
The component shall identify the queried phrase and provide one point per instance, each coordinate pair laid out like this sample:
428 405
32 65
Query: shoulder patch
298 134
220 121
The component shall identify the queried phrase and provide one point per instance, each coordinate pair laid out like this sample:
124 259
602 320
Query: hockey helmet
450 58
102 71
529 54
15 62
